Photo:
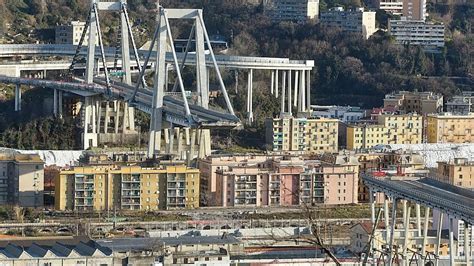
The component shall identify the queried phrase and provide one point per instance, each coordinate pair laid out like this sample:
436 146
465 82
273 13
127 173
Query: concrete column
44 74
202 72
94 116
236 75
107 117
55 102
60 103
425 234
17 97
125 118
167 77
250 96
303 91
98 109
272 82
117 116
276 84
289 92
308 90
372 206
418 219
404 202
438 244
172 135
392 231
406 235
131 118
451 241
296 95
467 248
386 210
283 93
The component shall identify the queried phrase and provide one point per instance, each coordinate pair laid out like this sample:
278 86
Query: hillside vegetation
349 69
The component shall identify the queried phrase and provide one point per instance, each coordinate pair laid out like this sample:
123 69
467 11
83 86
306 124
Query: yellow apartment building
365 136
108 187
447 128
311 135
458 172
390 129
403 129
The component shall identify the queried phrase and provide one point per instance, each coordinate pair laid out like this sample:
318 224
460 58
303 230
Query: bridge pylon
161 39
104 120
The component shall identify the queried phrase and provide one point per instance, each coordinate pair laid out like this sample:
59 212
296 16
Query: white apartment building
343 113
292 10
71 34
357 20
417 32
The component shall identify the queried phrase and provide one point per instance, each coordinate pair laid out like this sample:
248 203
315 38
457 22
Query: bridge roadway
454 201
233 62
173 108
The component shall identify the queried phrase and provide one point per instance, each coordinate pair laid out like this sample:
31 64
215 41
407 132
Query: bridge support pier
438 243
418 219
406 236
295 98
276 84
467 248
289 92
250 96
392 232
425 235
283 93
272 83
308 90
451 241
387 223
17 98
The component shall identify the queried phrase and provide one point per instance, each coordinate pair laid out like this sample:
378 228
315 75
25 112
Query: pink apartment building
288 182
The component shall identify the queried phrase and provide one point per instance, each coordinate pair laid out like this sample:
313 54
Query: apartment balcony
130 201
131 194
130 187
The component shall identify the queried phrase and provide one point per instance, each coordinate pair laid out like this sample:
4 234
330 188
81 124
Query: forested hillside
349 69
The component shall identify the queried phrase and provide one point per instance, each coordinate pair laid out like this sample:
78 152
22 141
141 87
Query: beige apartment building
448 128
457 172
390 129
414 9
357 20
108 187
415 102
21 180
305 135
71 33
292 10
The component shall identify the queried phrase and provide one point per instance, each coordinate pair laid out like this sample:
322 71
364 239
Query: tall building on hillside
414 102
358 20
462 105
305 135
448 128
71 33
429 35
390 129
292 10
21 180
394 7
108 187
414 10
